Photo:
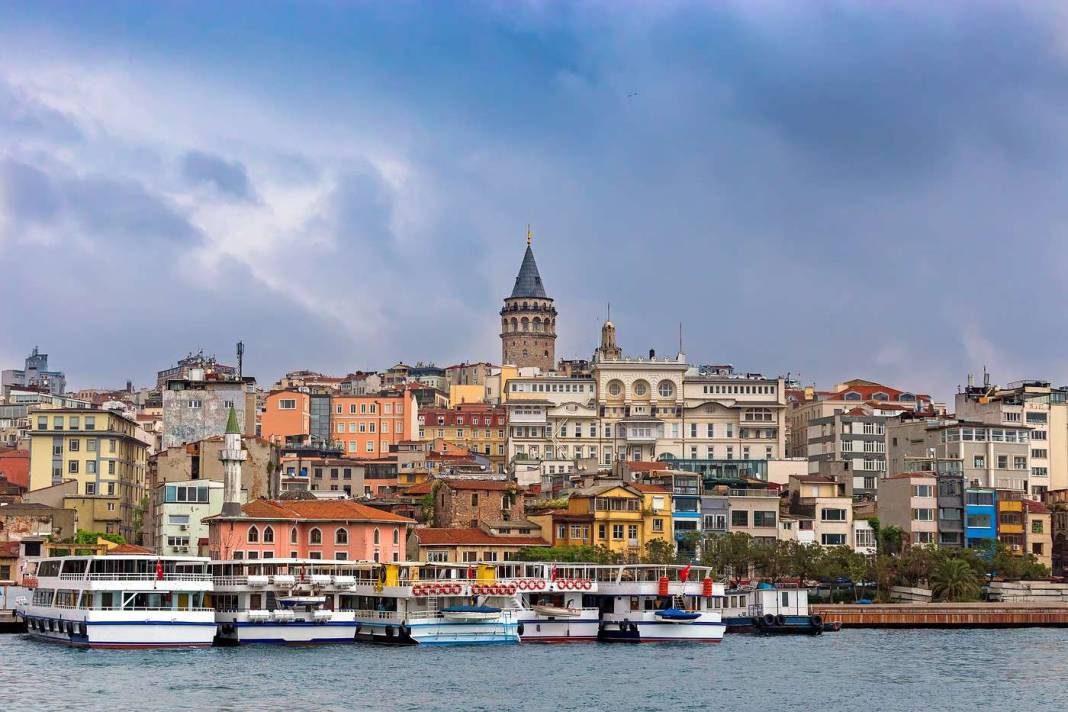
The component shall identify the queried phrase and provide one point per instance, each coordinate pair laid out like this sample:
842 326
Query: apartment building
476 427
100 451
198 406
367 426
178 513
987 456
828 503
1033 404
297 417
909 501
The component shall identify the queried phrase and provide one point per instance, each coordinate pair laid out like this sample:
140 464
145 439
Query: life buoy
563 584
417 590
476 590
436 589
457 588
539 584
512 590
587 584
524 584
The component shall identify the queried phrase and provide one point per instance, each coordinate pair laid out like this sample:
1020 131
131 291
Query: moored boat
769 610
643 603
120 601
291 601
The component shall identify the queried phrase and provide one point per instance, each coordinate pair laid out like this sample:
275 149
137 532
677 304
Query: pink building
309 529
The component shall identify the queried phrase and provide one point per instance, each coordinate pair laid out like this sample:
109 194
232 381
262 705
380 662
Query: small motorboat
677 615
551 611
471 613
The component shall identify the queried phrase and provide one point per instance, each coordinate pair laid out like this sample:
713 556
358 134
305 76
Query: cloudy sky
851 189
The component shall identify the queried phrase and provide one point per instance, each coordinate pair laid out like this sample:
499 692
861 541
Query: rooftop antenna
240 359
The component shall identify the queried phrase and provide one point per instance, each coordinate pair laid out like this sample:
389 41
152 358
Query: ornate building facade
528 320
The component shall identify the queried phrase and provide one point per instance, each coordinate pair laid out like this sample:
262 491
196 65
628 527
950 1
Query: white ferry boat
297 601
120 601
555 603
423 603
643 603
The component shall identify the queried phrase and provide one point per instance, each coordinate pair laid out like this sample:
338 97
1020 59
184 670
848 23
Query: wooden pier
945 615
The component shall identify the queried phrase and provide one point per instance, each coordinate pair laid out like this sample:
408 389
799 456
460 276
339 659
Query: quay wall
945 615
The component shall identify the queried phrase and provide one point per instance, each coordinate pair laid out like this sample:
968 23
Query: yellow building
476 427
622 517
99 450
465 393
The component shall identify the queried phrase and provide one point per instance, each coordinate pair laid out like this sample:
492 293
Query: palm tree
955 580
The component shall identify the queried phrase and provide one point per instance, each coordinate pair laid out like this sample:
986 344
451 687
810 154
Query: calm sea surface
850 670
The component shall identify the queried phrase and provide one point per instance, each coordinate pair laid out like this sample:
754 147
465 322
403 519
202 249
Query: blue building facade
980 517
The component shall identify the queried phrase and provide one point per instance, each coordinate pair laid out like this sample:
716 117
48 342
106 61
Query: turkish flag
159 570
684 575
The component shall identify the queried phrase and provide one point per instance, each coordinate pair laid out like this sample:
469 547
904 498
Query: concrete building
367 426
951 510
1033 404
1038 532
180 509
987 456
201 461
828 503
468 374
99 450
197 406
476 427
34 374
980 517
909 501
297 417
528 320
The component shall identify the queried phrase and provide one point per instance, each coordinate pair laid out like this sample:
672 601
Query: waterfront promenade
945 615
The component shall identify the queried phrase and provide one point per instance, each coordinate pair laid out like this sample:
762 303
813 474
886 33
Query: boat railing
69 607
148 576
379 615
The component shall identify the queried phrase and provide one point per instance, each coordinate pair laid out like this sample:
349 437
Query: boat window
785 599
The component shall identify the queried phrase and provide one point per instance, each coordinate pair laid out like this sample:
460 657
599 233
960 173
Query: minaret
232 456
528 319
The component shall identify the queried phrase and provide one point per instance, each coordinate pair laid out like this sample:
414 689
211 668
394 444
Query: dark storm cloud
229 177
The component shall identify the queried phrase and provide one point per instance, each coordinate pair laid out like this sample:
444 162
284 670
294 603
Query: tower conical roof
528 281
231 423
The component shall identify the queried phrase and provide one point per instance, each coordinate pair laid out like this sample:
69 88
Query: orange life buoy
457 588
522 584
587 584
539 584
436 588
417 590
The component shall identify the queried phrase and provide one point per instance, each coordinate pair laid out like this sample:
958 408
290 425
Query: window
90 422
396 536
617 531
287 404
315 536
833 515
658 525
1019 462
666 389
923 490
253 535
268 535
923 515
72 467
740 518
376 537
1041 454
90 467
193 404
983 499
1036 526
949 514
833 539
90 488
474 499
341 536
370 446
764 519
979 521
74 445
979 461
293 538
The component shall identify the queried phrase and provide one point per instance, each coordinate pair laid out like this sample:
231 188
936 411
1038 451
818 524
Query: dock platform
945 615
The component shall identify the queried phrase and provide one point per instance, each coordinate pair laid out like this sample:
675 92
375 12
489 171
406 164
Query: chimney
652 354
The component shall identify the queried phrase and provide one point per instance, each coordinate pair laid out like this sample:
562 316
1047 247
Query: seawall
945 615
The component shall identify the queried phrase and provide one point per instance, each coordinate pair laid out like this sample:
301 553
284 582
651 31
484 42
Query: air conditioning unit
184 528
182 549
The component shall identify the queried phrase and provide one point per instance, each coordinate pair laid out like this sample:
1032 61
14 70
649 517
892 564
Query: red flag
159 570
471 572
552 576
302 572
684 575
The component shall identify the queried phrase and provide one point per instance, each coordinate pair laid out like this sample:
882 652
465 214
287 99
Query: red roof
15 467
333 510
424 487
642 487
1034 507
473 535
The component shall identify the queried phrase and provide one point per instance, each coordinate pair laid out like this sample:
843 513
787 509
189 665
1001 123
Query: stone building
197 407
466 503
528 320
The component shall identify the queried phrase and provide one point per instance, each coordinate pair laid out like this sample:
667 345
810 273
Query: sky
828 190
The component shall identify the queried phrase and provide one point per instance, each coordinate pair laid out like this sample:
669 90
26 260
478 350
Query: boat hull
302 633
793 625
438 632
558 630
653 631
135 630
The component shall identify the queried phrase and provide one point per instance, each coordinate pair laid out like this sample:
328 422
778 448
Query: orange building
286 416
366 426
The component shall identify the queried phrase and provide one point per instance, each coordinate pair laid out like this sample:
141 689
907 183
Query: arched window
524 324
341 536
293 535
376 536
615 388
852 395
253 534
666 389
880 396
515 324
906 397
315 536
268 535
396 536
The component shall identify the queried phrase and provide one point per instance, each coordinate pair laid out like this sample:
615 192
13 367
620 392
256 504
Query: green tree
659 551
888 540
772 559
807 560
954 580
584 554
728 554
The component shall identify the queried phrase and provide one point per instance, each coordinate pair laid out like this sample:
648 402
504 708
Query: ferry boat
769 610
554 602
652 603
423 603
295 601
120 601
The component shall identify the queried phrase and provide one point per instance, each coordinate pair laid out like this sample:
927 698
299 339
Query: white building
180 507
